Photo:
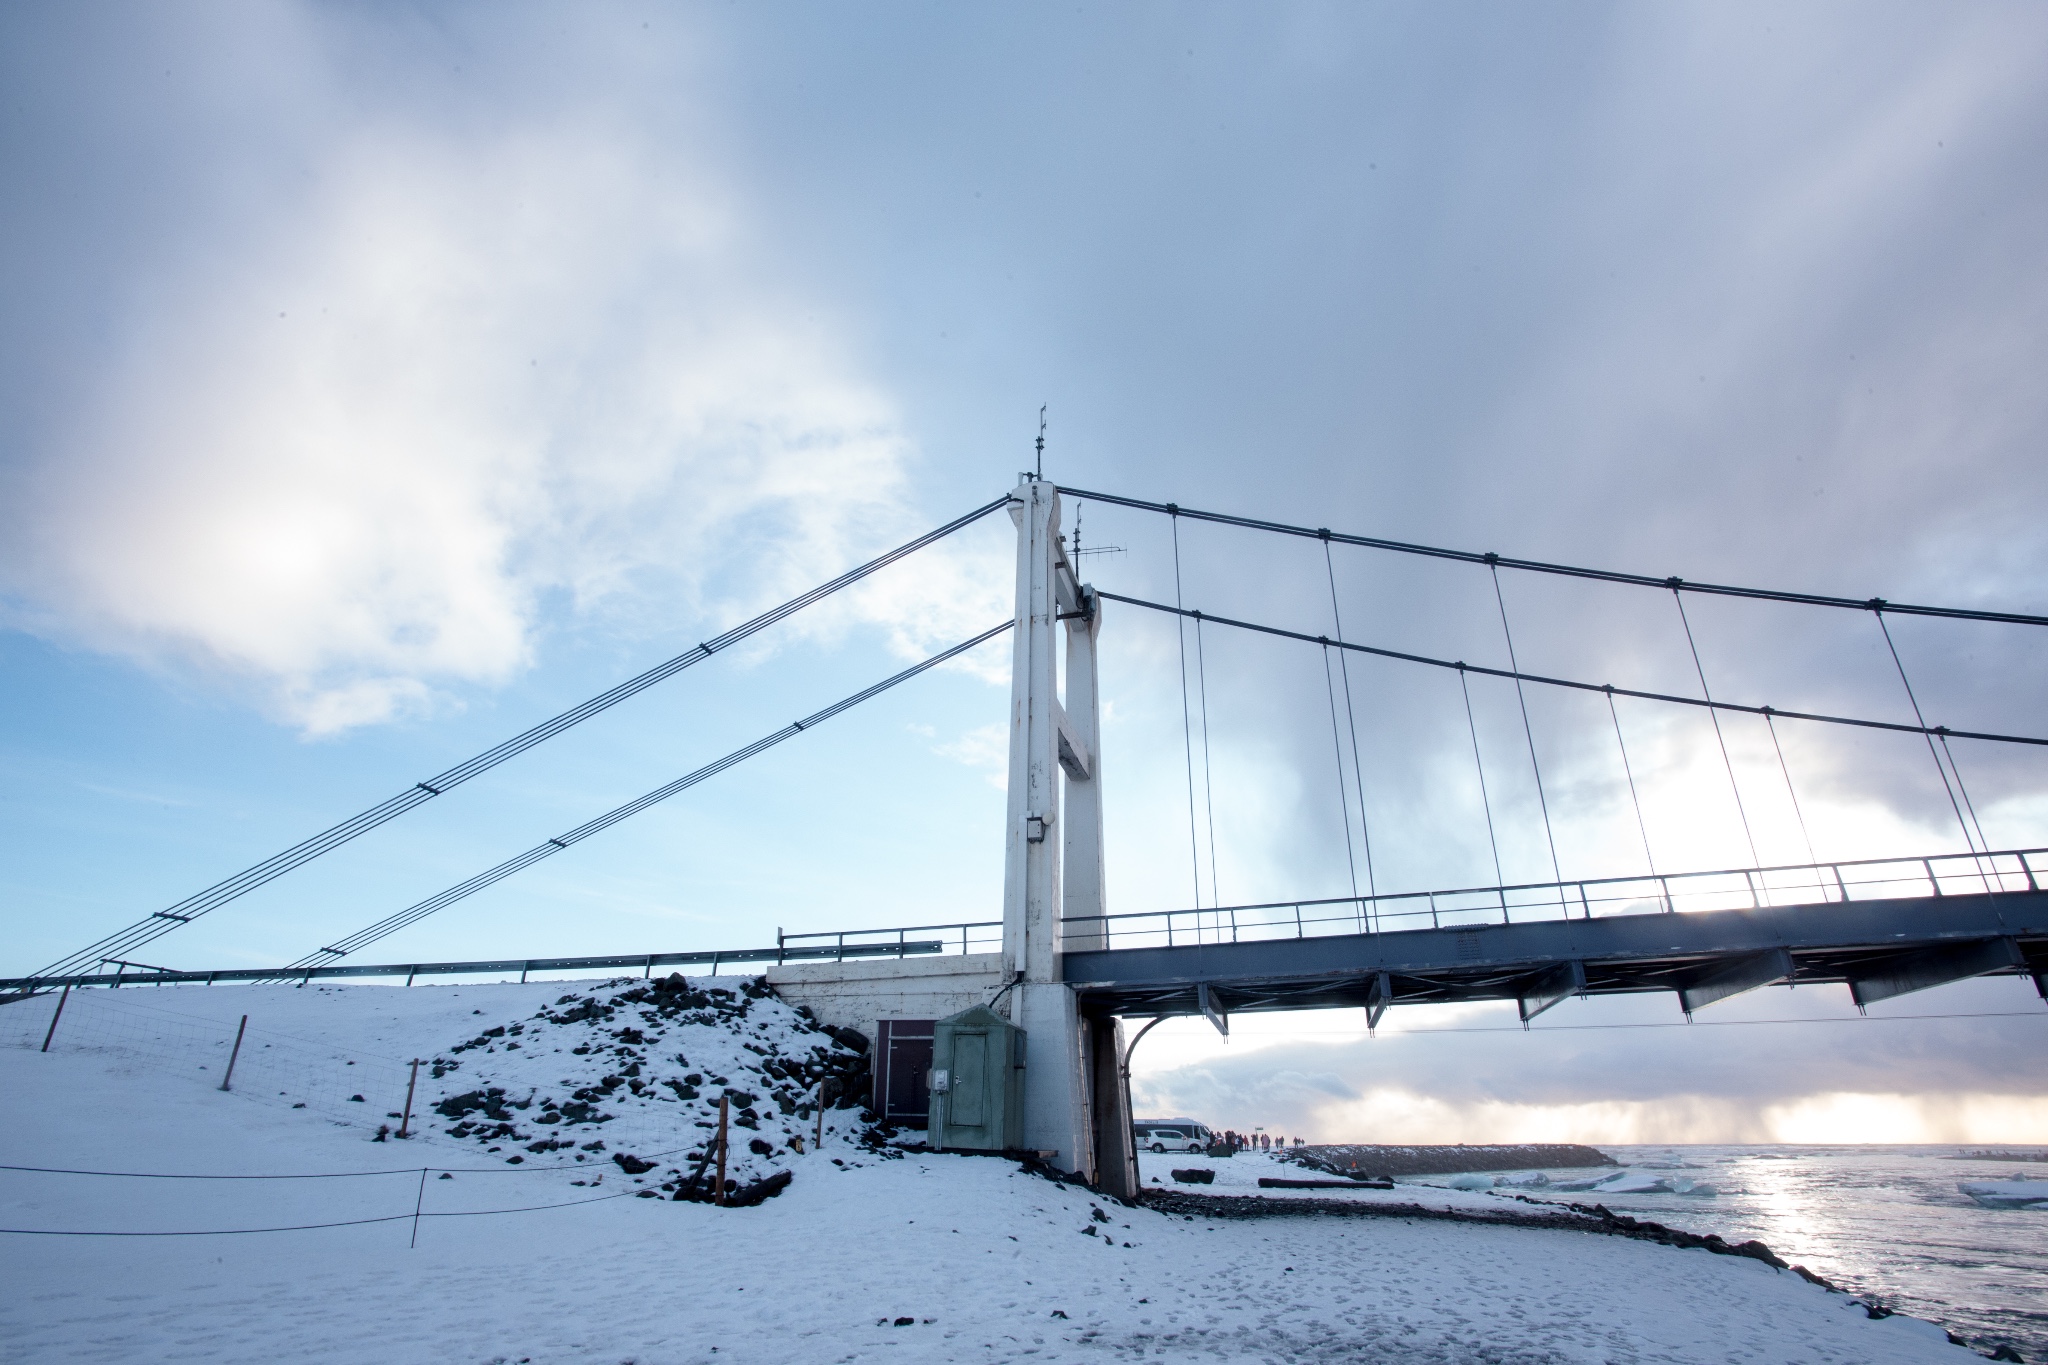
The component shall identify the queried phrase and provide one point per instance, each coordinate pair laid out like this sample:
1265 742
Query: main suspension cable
1721 739
1572 684
161 922
412 914
1875 604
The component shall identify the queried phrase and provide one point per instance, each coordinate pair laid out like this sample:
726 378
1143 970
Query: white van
1172 1135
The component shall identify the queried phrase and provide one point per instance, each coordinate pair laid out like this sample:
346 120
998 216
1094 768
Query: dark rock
632 1165
1195 1177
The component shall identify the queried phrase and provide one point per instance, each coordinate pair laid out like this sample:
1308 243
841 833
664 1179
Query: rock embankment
630 1073
1368 1160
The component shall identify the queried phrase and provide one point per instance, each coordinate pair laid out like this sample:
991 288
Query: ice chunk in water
2006 1194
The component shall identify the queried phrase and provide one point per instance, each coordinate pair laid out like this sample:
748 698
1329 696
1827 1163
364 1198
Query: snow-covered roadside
989 1263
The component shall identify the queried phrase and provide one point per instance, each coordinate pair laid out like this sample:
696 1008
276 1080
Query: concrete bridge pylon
1077 1113
1077 1105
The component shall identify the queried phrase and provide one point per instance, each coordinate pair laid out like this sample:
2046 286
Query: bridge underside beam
1699 956
1916 971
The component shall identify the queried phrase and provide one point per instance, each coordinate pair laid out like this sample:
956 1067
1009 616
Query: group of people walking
1257 1142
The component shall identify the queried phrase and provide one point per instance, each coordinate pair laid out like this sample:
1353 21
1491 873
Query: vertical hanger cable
1542 801
1790 791
1337 747
1187 725
1208 787
1968 804
1922 720
1485 803
1715 716
1357 770
1630 773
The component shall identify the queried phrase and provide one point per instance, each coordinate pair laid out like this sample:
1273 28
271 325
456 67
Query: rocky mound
629 1075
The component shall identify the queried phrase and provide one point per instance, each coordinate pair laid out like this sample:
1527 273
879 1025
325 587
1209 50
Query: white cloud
986 748
354 451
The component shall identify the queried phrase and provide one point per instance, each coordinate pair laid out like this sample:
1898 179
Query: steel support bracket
1719 980
1547 988
1211 1010
1378 996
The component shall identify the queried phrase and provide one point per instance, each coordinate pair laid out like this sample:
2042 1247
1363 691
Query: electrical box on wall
977 1083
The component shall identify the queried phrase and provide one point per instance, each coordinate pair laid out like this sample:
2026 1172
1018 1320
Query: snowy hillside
912 1259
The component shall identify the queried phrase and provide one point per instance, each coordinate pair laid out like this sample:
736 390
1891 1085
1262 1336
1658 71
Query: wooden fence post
55 1017
405 1123
724 1106
239 1030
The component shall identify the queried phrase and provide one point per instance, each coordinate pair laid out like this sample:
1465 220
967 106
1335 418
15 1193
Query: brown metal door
903 1062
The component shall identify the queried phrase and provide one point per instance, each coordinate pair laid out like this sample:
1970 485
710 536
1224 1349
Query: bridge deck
1880 948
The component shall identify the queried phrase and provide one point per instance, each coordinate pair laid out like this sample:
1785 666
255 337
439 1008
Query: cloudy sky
380 380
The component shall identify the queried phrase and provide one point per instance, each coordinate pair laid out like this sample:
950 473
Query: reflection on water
1886 1222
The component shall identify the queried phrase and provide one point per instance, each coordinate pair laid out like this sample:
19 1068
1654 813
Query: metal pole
1131 1110
419 1201
724 1107
1932 880
405 1123
240 1029
55 1017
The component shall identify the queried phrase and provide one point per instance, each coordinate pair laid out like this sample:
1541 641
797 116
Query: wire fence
337 1083
405 1190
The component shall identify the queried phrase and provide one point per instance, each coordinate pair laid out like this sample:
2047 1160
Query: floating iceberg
2007 1194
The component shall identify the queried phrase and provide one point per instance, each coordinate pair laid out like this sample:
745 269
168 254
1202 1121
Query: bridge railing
1956 874
977 936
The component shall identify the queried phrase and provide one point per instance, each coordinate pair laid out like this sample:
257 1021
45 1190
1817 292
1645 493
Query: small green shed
977 1083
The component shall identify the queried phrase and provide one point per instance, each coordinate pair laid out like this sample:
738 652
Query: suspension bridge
1066 969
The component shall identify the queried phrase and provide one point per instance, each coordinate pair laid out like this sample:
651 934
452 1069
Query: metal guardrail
646 962
1958 874
975 935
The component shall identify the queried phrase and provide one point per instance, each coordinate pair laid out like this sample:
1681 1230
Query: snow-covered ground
984 1262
